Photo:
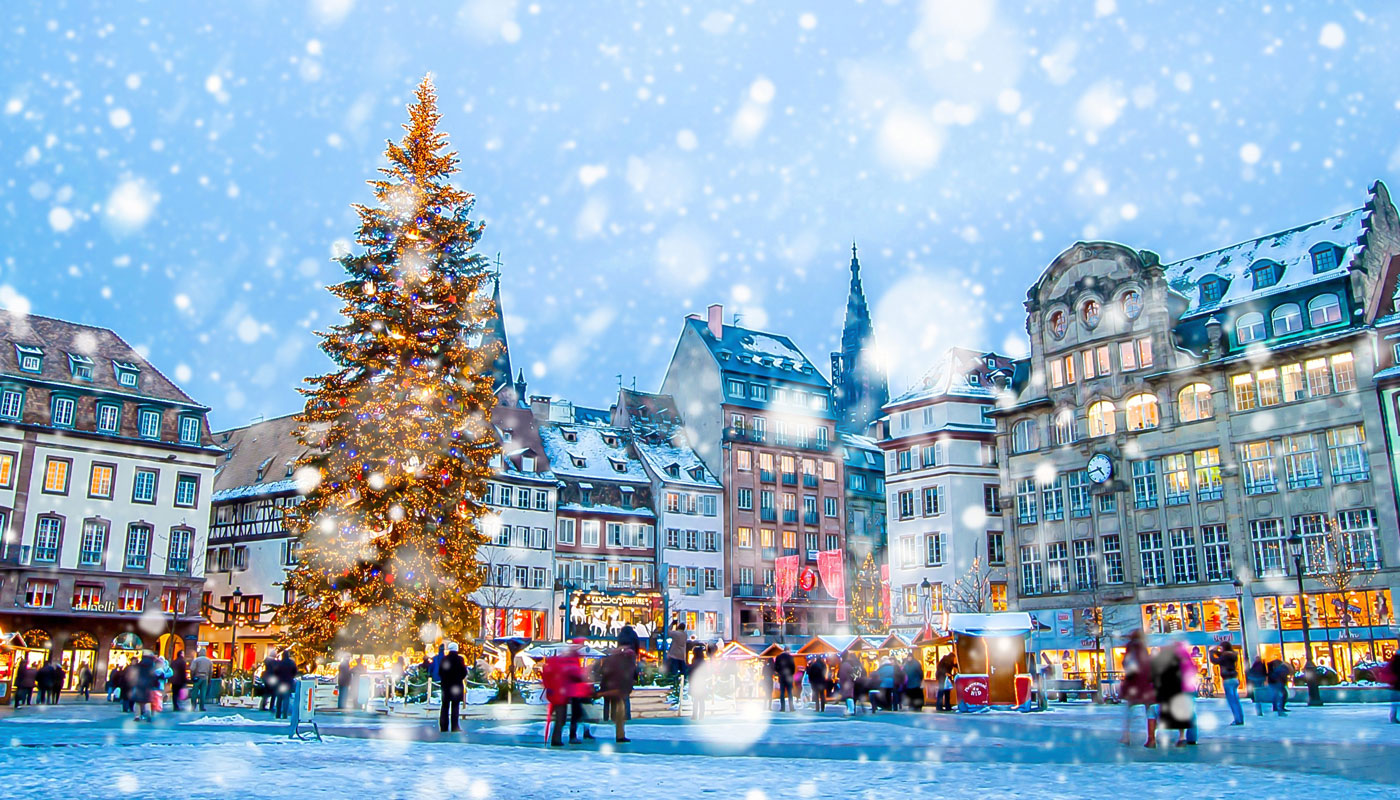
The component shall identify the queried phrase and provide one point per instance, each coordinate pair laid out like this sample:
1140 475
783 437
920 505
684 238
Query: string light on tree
399 433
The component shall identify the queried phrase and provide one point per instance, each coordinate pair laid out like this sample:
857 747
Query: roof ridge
1294 229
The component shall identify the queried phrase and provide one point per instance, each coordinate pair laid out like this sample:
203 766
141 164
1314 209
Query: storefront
1069 644
526 623
15 652
600 616
1345 630
126 649
81 651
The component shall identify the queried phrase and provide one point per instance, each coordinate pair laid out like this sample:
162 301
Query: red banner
885 591
785 574
832 567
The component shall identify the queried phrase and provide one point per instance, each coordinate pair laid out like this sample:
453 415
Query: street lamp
1244 631
233 641
1295 547
926 592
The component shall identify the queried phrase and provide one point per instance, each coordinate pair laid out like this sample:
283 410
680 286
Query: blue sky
182 172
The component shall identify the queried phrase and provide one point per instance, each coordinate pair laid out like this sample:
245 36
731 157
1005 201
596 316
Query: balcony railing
810 518
768 515
789 516
766 475
810 481
744 435
750 590
789 478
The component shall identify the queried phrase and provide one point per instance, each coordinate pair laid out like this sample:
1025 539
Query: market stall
15 653
991 654
929 647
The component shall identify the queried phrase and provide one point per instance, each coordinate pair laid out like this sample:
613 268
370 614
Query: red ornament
342 401
388 577
452 298
807 579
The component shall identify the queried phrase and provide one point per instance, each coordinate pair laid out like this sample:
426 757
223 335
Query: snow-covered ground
1067 753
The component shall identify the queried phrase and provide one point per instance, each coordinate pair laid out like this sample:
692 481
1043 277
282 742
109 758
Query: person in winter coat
1258 677
898 694
114 683
1138 687
784 668
129 678
43 682
913 682
286 681
852 673
619 675
452 670
676 653
269 682
26 678
816 676
85 681
566 686
884 685
179 678
342 682
145 686
1175 678
943 673
1227 661
1394 665
1279 674
201 672
699 683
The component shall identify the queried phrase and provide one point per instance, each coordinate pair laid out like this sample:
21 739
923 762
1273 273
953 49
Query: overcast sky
184 173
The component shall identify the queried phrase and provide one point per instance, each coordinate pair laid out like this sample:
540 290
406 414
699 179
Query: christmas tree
401 427
868 598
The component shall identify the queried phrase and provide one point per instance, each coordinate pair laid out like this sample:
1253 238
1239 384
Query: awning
826 645
1004 623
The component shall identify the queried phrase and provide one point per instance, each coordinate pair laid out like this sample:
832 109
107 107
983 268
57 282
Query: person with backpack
1279 674
1138 686
1227 660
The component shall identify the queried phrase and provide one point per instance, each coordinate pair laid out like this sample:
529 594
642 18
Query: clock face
1100 468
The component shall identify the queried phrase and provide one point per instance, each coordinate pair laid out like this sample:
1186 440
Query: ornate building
858 385
1175 426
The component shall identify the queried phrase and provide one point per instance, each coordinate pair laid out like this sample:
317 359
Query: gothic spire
858 383
495 331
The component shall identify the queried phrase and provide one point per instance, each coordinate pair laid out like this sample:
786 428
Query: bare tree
971 593
1334 563
494 595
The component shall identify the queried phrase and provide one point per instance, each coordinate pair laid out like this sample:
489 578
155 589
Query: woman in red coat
1138 688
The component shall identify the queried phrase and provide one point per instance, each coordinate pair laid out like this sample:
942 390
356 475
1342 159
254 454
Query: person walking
26 679
342 682
619 673
1138 687
816 677
179 681
566 686
1227 661
130 675
699 683
851 675
269 682
676 653
884 685
144 686
784 668
1175 679
1258 677
85 682
114 683
452 671
201 672
1279 673
286 672
43 682
1394 665
943 674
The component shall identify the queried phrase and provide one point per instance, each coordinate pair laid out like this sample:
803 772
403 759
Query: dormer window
189 430
618 465
1090 313
698 474
1324 257
585 493
1266 274
569 435
627 497
505 436
291 469
80 366
262 468
973 379
609 440
527 463
579 462
1212 289
31 359
149 424
126 373
674 470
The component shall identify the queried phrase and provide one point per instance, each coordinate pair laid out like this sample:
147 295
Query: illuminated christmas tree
401 427
868 598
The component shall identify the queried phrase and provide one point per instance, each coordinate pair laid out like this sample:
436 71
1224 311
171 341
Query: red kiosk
991 653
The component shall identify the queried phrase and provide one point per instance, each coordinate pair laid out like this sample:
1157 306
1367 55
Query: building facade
864 499
1175 425
106 468
759 415
689 508
944 487
250 548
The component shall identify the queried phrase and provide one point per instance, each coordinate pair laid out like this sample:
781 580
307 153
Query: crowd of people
42 684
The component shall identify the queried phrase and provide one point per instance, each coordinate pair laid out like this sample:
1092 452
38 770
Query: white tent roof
1004 623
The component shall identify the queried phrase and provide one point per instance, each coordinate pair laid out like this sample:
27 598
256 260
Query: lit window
1142 412
39 593
100 481
1194 403
131 599
1101 422
1325 309
56 476
7 471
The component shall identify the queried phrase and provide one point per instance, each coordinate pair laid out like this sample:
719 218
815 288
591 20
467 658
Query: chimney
716 320
539 404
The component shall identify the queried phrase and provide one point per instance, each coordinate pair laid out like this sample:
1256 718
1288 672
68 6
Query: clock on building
1100 468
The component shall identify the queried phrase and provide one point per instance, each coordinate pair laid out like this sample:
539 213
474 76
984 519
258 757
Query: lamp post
1244 630
926 592
1295 546
233 640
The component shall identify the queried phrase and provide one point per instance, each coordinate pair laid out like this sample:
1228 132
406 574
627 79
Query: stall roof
737 651
547 650
927 635
1004 623
821 645
771 651
893 642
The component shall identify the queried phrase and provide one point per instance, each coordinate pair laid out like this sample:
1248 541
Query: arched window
1287 318
1324 309
1249 327
1101 419
1024 437
1091 313
1058 324
1132 304
1194 403
1063 431
1142 412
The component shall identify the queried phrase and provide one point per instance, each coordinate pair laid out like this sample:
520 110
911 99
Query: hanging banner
885 592
832 567
785 574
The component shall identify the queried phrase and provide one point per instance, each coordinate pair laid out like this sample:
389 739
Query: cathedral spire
858 383
495 332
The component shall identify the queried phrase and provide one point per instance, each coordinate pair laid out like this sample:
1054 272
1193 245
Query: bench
1067 687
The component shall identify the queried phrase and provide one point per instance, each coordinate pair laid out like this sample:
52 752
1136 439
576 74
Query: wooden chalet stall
991 653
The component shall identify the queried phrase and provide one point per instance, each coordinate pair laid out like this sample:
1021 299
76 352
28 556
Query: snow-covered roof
590 452
862 452
661 456
750 352
959 372
254 490
1001 623
603 508
1291 249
